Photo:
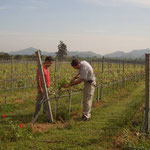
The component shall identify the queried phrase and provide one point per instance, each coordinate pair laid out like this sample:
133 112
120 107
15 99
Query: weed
13 132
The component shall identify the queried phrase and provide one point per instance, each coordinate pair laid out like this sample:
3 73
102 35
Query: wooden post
113 86
39 61
70 97
27 66
123 69
56 92
123 66
108 64
56 64
81 102
98 93
101 85
103 65
134 65
107 87
5 92
147 92
98 64
23 94
12 73
141 70
119 63
56 106
98 82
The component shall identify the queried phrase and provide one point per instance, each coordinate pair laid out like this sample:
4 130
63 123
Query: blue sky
101 26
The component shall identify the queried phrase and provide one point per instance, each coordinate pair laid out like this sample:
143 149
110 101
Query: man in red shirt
47 63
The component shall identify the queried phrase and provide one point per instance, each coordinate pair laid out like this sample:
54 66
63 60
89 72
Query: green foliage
8 107
24 73
64 80
4 56
13 132
107 120
21 83
62 50
63 114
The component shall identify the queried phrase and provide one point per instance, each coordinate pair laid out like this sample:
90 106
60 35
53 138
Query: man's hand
66 85
72 80
73 83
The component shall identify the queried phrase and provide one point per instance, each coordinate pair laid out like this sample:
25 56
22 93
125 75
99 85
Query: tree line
61 55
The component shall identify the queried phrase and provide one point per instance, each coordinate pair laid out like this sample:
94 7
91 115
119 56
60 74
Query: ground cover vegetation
116 118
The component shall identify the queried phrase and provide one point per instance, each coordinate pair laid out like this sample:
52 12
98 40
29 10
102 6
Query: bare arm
74 78
76 82
39 84
73 83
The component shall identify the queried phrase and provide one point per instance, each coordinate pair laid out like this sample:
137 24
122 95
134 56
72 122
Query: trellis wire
99 88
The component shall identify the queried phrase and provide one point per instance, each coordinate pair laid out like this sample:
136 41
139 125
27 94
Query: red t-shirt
46 75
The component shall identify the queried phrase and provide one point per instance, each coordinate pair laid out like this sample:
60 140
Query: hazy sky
101 26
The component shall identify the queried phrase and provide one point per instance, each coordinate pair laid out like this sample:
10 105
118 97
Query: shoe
84 118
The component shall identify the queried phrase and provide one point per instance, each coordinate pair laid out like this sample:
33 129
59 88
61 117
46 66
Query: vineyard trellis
147 95
111 75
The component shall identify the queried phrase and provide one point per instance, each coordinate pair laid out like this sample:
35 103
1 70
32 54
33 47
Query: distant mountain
130 55
31 51
119 54
115 54
84 54
139 53
28 51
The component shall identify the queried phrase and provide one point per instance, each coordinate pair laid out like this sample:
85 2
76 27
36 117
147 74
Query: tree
18 57
4 56
62 50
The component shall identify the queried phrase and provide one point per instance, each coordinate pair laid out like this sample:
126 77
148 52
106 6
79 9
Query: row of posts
100 87
58 63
